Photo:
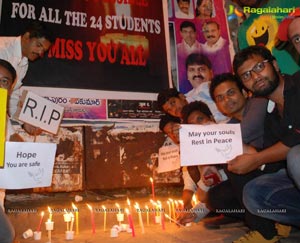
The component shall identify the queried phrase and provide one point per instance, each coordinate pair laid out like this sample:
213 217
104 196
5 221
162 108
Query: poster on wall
200 27
125 154
104 45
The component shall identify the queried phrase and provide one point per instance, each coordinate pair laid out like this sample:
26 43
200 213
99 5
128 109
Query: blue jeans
274 196
293 164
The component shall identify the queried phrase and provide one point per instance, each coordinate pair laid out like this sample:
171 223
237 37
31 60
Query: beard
272 85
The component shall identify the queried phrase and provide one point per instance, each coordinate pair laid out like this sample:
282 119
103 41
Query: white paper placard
168 158
27 165
209 144
40 112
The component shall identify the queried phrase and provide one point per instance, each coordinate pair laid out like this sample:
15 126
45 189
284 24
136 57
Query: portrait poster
201 28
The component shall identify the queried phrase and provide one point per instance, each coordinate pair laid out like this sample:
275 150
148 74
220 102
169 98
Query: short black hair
244 54
218 79
186 24
9 67
165 95
188 1
199 59
165 119
195 106
38 29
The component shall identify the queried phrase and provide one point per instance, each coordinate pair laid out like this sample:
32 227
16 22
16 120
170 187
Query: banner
104 45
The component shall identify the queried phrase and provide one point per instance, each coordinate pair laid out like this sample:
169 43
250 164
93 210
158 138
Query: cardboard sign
27 165
3 101
168 158
209 144
40 112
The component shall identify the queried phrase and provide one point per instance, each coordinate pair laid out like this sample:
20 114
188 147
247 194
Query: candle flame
73 206
117 205
103 207
42 214
128 201
90 207
127 210
151 180
146 206
49 209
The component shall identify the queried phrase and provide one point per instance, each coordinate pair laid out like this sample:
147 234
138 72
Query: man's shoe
283 230
255 237
223 222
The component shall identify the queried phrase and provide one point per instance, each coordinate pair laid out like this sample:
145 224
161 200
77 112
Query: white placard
40 112
209 144
168 158
27 165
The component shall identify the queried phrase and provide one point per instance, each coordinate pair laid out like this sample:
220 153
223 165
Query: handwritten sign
209 144
3 101
40 112
168 158
27 165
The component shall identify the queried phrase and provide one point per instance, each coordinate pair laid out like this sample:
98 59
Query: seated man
228 94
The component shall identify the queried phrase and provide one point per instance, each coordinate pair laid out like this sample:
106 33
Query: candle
72 221
92 219
163 221
67 218
39 226
49 226
169 207
120 216
194 200
167 216
173 207
147 214
77 218
140 217
104 220
50 214
153 191
130 222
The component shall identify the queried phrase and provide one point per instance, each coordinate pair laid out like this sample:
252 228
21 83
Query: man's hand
243 164
185 217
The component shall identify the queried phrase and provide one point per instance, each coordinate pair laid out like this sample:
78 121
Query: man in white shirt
199 74
19 50
184 9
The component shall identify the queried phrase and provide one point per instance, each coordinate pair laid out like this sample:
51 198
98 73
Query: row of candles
71 217
157 212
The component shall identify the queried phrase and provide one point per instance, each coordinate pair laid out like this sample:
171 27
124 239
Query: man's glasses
259 67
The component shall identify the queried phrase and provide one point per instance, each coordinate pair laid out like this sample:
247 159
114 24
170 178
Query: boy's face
174 105
184 6
6 79
197 117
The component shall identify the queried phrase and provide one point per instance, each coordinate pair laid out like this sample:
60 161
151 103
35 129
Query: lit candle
39 226
92 219
169 207
153 191
120 216
67 218
77 218
130 222
50 214
173 207
147 214
49 226
72 221
194 200
140 217
104 220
